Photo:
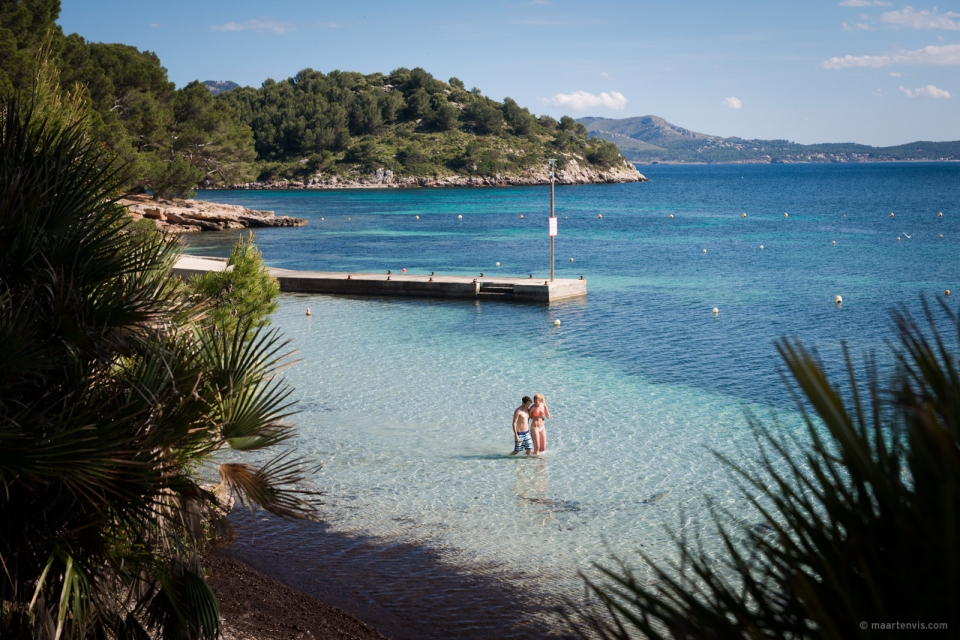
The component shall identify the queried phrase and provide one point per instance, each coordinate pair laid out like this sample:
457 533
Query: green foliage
518 118
25 26
483 118
134 109
572 126
605 154
418 105
169 178
424 127
548 123
244 294
112 396
208 136
444 116
367 155
860 523
367 115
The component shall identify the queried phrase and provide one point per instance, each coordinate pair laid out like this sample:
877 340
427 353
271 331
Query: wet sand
256 607
404 591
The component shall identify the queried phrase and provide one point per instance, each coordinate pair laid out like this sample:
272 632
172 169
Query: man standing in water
521 431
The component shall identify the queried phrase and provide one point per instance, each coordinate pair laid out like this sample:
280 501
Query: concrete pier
381 284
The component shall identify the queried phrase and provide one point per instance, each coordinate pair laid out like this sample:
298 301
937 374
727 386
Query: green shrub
605 154
244 295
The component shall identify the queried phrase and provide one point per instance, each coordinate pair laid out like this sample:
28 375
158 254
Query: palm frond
113 394
279 486
861 514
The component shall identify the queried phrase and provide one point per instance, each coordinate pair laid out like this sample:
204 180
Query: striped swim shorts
524 441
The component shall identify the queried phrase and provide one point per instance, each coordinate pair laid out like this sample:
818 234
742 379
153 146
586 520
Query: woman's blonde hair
538 397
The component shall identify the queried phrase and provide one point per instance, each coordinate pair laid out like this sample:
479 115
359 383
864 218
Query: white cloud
861 26
946 56
733 103
604 75
928 91
258 24
155 25
582 100
274 26
865 3
878 93
894 74
910 17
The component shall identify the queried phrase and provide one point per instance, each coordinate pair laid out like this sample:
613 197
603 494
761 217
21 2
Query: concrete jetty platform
403 284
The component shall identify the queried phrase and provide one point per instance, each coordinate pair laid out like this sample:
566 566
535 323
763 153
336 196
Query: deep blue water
651 287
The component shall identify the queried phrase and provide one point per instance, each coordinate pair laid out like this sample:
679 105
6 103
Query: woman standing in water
539 413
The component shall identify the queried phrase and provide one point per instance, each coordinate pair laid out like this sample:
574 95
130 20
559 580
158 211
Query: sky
870 71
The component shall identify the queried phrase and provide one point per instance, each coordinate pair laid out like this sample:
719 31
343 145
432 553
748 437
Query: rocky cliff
572 173
185 216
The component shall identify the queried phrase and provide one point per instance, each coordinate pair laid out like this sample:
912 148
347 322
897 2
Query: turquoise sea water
408 402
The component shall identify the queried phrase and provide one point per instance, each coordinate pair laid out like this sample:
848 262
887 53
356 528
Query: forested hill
648 139
407 122
313 124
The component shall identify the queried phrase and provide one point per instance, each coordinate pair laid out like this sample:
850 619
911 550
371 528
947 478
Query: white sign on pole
553 227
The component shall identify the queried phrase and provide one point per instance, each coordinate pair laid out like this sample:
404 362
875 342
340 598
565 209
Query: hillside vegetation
407 122
649 139
336 124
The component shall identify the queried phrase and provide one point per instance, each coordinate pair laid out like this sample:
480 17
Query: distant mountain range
220 86
651 139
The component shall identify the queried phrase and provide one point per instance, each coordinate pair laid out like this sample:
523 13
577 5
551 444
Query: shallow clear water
408 402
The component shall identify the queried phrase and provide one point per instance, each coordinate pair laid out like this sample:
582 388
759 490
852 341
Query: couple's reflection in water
531 486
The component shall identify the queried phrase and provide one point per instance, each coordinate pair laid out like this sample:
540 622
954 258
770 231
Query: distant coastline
651 163
651 139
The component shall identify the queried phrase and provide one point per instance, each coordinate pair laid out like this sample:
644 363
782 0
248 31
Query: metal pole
552 216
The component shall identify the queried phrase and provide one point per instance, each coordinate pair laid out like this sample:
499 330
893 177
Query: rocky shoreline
572 173
188 216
